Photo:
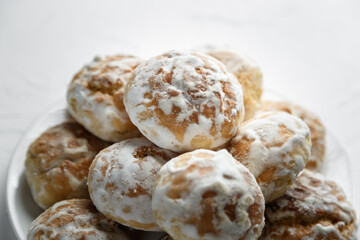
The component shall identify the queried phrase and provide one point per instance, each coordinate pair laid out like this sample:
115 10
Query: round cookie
208 195
95 97
312 208
248 74
74 219
121 181
184 101
317 129
274 146
57 163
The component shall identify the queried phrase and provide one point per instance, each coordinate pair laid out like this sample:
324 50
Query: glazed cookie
95 97
57 163
184 101
313 208
247 73
317 129
274 146
208 195
74 219
121 181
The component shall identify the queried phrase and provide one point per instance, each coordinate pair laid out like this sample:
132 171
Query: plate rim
11 181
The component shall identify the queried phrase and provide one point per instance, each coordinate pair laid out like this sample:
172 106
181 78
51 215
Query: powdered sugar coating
74 219
317 129
313 208
208 195
121 181
274 146
184 101
95 97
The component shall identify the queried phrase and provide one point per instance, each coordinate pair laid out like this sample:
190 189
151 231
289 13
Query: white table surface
309 51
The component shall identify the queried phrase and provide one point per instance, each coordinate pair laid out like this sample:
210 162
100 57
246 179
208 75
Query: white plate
23 210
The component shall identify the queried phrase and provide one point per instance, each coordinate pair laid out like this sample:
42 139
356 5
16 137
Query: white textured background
309 51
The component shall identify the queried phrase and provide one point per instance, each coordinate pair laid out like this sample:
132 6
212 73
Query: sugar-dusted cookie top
274 146
184 101
317 129
208 195
95 97
58 161
74 219
121 180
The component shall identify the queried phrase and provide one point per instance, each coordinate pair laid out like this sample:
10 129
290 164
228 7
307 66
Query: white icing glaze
84 222
195 175
317 129
270 148
124 192
196 84
96 110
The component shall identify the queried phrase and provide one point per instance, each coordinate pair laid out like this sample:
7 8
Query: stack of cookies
183 143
